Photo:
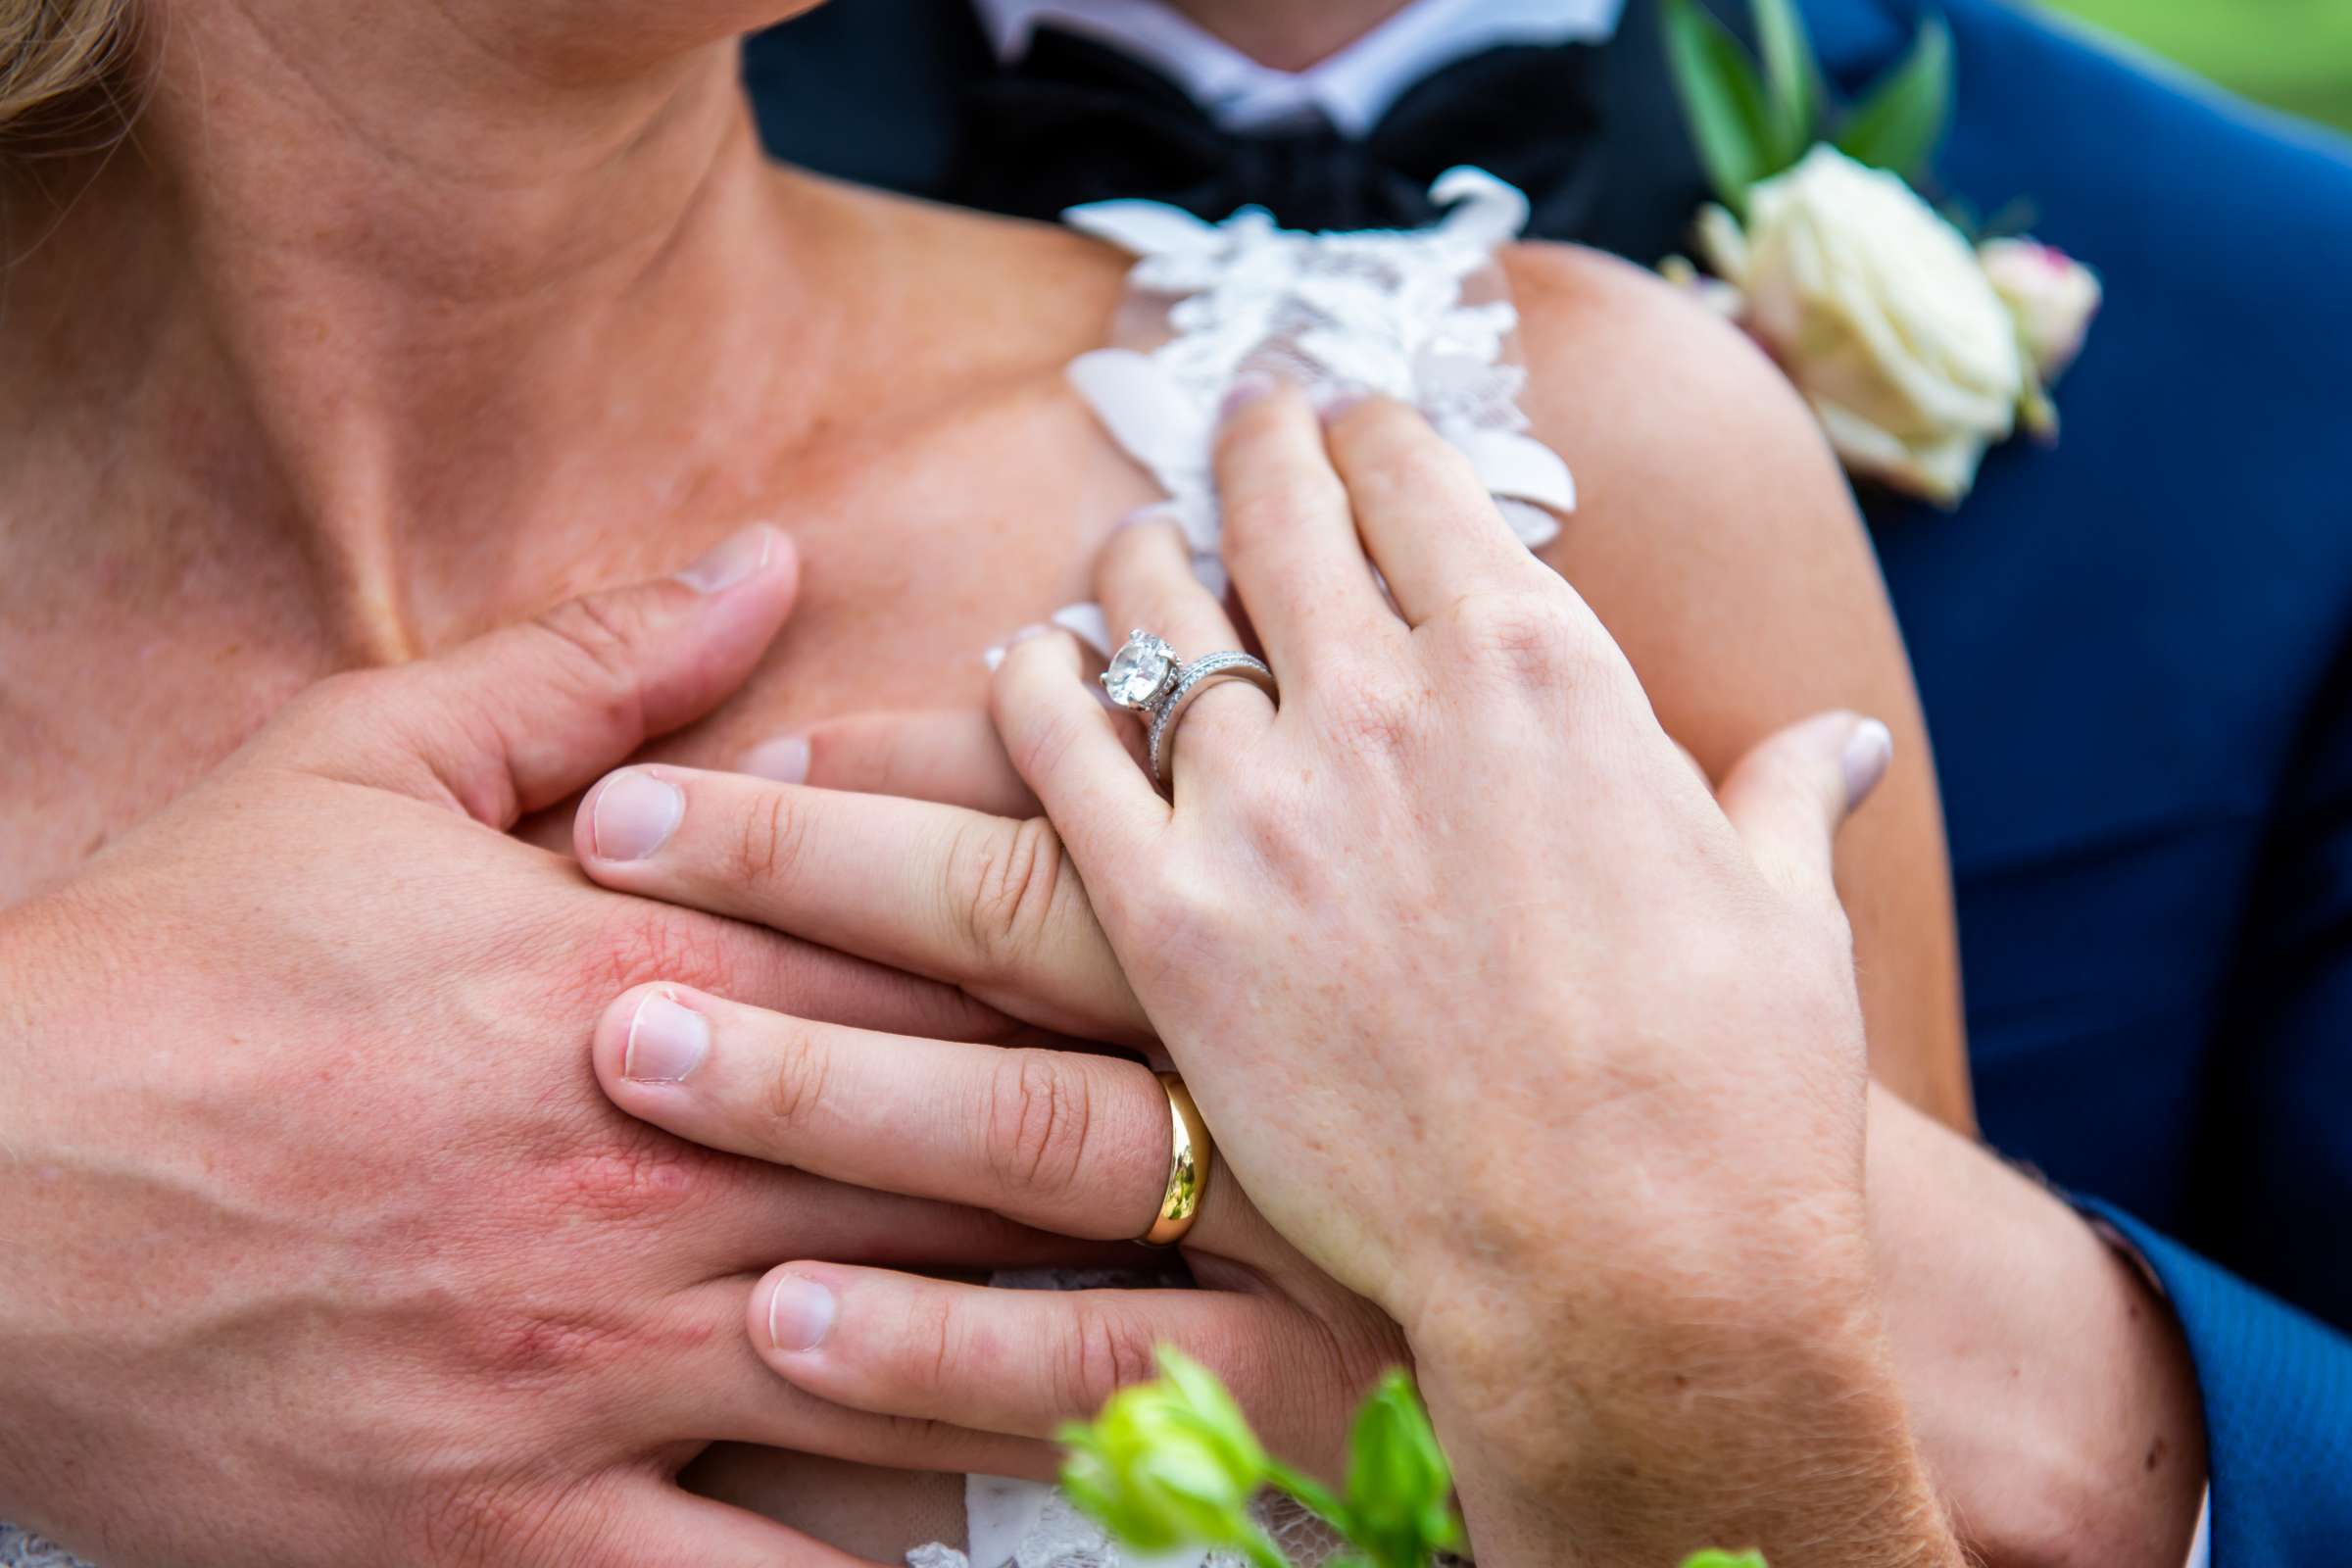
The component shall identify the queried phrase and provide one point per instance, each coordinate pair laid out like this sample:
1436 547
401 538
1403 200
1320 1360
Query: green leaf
1791 79
1723 97
1902 122
1399 1502
1167 1464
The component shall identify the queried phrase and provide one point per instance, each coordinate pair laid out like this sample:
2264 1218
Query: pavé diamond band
1190 682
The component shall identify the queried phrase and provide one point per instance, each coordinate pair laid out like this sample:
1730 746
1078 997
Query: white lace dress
1423 317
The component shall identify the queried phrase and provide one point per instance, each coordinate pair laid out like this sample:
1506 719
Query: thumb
1790 794
522 717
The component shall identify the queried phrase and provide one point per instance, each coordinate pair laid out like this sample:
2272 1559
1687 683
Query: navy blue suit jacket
2136 655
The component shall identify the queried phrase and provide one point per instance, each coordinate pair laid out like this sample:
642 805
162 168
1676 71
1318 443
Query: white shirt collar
1351 90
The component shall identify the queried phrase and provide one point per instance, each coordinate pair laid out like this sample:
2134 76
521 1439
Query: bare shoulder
1654 402
1714 533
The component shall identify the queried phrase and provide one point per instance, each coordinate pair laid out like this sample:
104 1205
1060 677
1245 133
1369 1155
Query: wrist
1660 1275
1797 1446
1722 1391
2052 1394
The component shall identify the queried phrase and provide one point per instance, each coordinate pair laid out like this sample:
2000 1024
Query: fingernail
1868 750
784 759
731 559
1340 401
995 657
1163 512
800 1313
667 1041
1247 388
635 815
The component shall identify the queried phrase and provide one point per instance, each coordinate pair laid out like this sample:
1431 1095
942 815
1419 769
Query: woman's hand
322 1247
1498 1014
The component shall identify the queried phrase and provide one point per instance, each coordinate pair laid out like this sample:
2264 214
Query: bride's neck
1289 35
406 291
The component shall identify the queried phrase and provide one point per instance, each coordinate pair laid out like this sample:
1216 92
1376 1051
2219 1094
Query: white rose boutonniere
1918 348
1879 312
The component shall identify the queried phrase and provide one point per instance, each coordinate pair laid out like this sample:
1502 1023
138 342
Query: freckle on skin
2155 1453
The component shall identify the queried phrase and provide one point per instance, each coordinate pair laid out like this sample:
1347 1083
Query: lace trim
1020 1524
1422 315
22 1548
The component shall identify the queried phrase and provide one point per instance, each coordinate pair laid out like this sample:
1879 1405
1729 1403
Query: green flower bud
1169 1464
1399 1502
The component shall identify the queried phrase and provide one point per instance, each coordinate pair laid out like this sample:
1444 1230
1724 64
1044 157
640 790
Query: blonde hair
57 63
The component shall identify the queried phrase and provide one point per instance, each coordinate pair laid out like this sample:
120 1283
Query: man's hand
322 1245
2046 1380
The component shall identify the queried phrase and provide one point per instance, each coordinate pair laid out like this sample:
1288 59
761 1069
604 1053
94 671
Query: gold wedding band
1189 1153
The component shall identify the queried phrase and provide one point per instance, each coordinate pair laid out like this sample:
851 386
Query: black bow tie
1079 122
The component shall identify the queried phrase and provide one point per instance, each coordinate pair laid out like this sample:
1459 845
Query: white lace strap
1421 316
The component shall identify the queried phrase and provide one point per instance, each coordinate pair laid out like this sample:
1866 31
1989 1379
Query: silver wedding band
1191 681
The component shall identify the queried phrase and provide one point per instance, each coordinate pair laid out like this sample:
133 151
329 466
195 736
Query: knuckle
593 631
638 1173
509 1520
1040 1117
641 943
1185 914
1265 513
933 1346
771 839
533 1349
916 1441
594 648
1404 458
793 1085
1378 719
1527 638
1004 883
1107 1350
1037 736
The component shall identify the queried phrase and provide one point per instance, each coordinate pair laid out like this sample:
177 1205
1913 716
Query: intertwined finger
1290 536
1427 519
951 755
701 1380
1146 580
1074 753
652 1523
1065 1140
985 904
905 1345
723 1214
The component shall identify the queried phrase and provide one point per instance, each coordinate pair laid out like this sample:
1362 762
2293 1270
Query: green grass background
2294 55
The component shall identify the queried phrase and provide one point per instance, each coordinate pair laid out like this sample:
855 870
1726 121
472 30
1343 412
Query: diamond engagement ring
1146 678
